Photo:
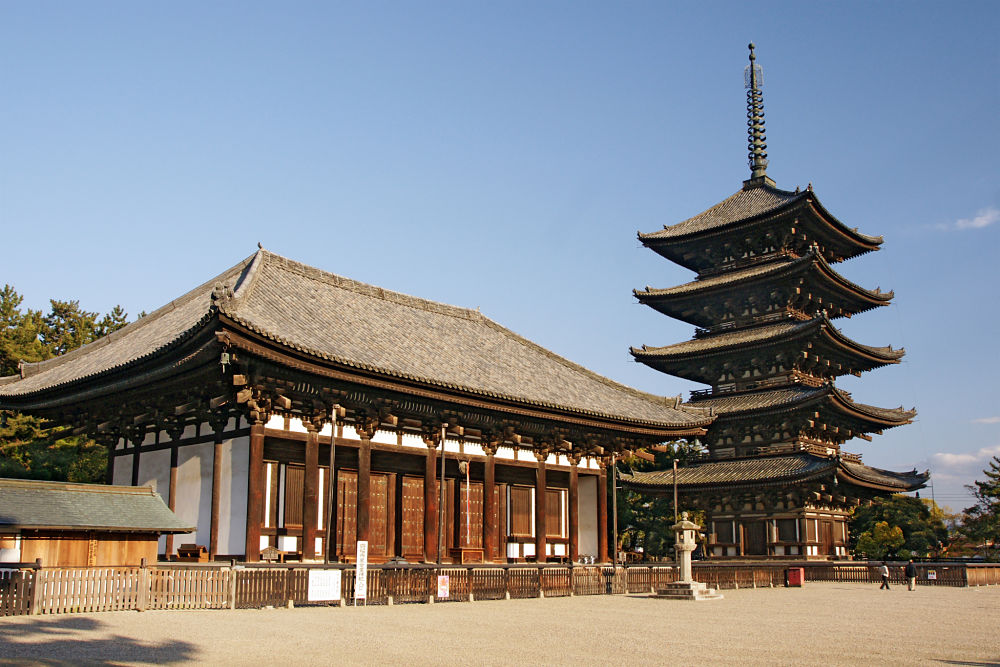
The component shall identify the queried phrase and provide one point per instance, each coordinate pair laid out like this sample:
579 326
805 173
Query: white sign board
361 572
443 585
931 574
324 585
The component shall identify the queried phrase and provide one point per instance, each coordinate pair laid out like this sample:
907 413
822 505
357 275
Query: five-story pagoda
774 481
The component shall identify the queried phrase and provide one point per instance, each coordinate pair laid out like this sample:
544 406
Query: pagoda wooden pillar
489 505
310 492
540 506
602 515
255 491
430 502
574 509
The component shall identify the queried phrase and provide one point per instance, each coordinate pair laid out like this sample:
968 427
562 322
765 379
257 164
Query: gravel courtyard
820 624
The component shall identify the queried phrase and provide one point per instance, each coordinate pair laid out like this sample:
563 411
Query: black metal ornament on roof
756 144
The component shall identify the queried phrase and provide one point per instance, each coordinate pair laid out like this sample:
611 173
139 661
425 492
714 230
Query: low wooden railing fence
32 589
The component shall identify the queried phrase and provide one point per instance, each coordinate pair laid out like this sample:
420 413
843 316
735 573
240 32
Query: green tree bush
920 523
29 448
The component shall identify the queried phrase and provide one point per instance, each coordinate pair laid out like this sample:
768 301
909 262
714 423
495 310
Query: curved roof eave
699 421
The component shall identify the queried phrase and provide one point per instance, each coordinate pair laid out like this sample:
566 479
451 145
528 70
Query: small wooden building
70 525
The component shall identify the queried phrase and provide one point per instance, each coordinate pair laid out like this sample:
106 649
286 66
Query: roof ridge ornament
753 79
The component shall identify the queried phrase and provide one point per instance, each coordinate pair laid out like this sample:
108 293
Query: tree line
30 448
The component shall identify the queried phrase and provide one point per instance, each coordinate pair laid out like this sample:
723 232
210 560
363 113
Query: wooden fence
37 590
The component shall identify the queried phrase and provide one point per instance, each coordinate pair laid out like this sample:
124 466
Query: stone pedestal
686 588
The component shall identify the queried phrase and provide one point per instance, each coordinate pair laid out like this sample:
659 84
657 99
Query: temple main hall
774 480
281 409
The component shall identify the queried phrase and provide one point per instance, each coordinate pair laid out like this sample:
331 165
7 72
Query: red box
794 576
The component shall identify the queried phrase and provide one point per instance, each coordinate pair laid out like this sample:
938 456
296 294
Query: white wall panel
233 496
587 538
194 491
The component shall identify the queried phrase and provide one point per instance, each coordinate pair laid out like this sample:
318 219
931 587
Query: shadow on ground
69 640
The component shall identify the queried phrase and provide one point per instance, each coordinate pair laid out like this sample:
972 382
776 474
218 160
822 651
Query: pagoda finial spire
756 143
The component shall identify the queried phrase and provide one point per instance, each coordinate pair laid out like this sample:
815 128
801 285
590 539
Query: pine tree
29 448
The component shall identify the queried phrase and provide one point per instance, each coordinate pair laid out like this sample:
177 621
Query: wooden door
754 538
554 513
347 514
520 511
826 537
412 533
378 537
470 515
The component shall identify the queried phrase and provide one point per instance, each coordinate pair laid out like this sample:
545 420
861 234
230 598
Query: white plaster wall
123 470
194 491
385 437
276 422
505 453
233 495
411 440
154 471
587 538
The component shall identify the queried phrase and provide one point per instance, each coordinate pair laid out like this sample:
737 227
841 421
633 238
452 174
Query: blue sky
503 155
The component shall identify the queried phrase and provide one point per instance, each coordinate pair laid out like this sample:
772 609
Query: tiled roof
750 202
141 339
796 467
63 505
367 327
760 335
780 265
746 203
726 404
765 470
903 481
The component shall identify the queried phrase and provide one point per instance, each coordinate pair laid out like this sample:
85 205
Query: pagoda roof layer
682 301
762 336
751 203
772 470
353 324
790 398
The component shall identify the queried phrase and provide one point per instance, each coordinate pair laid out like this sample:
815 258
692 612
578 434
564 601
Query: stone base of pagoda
687 590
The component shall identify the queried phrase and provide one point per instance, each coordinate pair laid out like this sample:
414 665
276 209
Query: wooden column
574 509
172 494
255 491
109 475
489 505
430 502
540 506
310 492
213 539
137 438
366 431
602 515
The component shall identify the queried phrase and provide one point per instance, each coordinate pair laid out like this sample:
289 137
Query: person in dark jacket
911 575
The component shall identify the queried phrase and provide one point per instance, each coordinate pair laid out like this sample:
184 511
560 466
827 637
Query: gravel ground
820 624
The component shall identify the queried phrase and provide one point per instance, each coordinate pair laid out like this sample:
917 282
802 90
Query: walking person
884 571
911 575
